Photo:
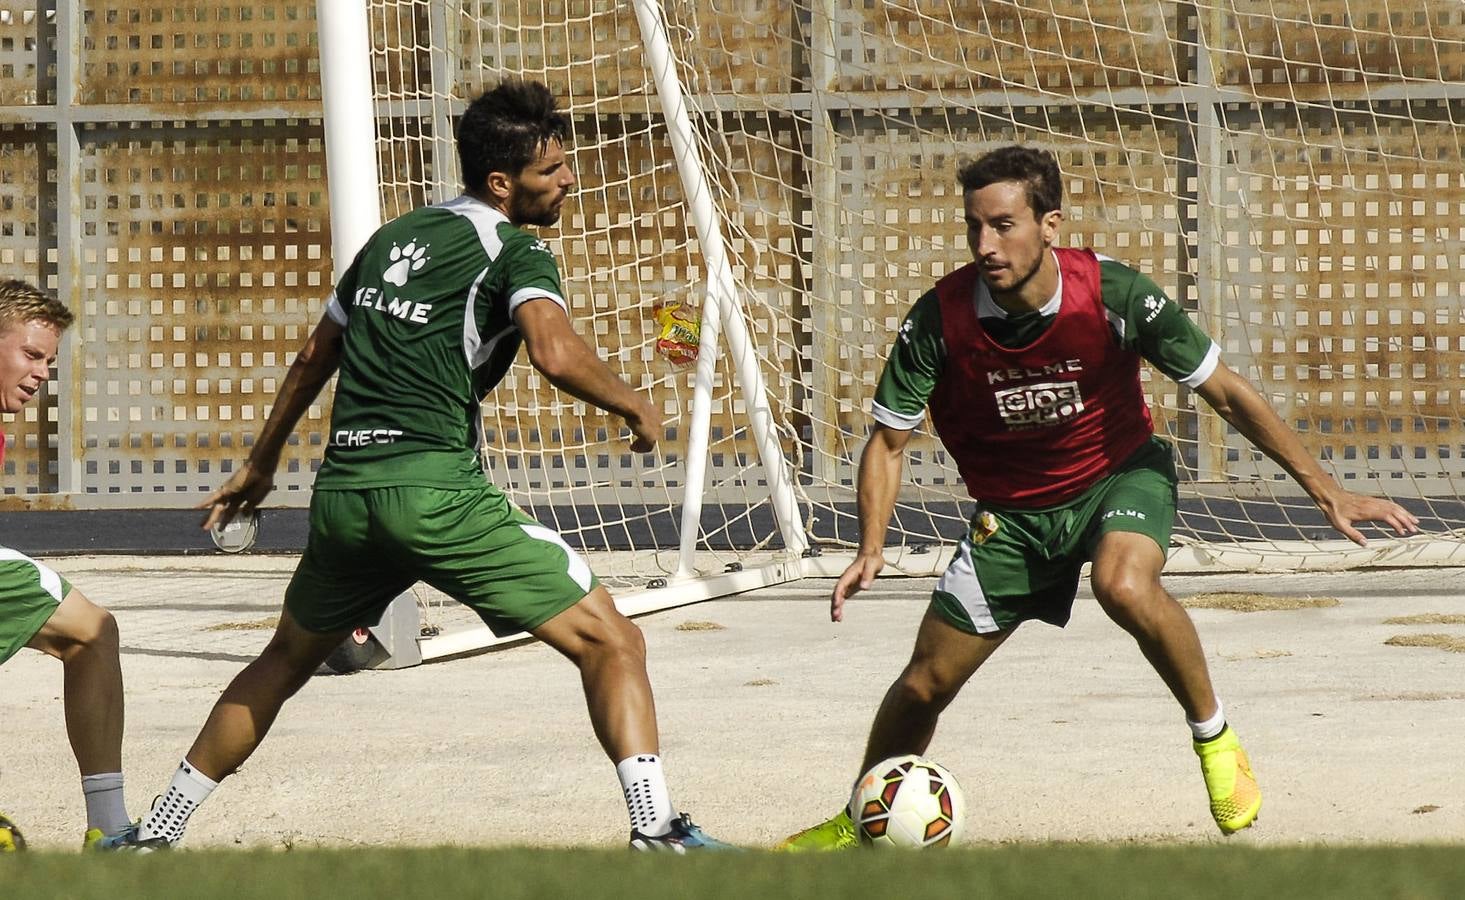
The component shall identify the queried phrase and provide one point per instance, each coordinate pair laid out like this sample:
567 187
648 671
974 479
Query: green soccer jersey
427 308
1141 318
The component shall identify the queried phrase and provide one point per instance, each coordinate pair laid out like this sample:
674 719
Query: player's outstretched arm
878 486
1236 401
314 365
570 365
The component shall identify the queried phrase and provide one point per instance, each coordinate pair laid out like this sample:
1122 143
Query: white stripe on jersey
897 420
485 219
472 340
1206 369
336 311
524 295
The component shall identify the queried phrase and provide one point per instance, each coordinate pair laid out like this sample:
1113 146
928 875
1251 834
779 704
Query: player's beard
522 213
1021 282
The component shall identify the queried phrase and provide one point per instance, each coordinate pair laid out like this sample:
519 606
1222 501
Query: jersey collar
987 308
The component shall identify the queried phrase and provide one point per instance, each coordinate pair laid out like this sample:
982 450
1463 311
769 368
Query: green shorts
368 545
29 594
1018 564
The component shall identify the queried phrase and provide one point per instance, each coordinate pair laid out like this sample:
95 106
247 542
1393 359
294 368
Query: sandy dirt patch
1065 734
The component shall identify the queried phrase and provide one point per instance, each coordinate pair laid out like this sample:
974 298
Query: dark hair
505 128
1036 169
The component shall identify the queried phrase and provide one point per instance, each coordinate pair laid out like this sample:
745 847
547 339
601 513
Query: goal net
1289 172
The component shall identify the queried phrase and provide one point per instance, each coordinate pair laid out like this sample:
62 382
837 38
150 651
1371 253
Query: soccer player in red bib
41 610
1028 363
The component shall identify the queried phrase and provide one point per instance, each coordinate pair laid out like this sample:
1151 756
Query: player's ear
1050 223
498 185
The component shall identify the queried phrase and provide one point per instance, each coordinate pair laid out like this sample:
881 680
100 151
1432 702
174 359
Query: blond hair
22 302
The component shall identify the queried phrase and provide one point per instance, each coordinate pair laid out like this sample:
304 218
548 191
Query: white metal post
1210 272
71 286
443 38
721 309
829 229
355 188
350 127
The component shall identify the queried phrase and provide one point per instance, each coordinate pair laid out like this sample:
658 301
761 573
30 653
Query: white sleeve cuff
336 311
524 295
892 419
1206 368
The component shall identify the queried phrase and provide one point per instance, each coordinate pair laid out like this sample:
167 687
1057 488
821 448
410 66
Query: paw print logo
405 260
1153 304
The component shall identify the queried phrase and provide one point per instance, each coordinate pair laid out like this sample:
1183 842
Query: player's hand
645 427
858 577
244 490
1345 508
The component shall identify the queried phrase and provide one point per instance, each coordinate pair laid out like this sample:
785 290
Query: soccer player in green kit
41 610
1028 360
423 324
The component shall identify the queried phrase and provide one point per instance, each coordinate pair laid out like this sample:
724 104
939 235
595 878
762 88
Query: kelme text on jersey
998 376
401 308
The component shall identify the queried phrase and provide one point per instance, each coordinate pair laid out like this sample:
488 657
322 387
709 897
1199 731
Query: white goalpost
350 118
721 316
785 171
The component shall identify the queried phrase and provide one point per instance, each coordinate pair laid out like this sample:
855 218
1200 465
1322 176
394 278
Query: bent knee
1120 590
610 637
620 635
82 624
106 634
928 685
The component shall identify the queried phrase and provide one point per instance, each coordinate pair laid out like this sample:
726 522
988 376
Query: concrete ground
764 705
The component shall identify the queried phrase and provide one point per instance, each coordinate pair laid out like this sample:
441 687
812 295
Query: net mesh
1289 172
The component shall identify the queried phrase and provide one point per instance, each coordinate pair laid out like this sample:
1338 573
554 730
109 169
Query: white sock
647 799
169 817
1204 731
105 808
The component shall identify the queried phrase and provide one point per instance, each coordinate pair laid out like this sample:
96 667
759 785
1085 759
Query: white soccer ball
907 801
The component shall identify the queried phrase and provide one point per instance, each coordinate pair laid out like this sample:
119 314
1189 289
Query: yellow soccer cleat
1235 797
11 840
92 837
837 833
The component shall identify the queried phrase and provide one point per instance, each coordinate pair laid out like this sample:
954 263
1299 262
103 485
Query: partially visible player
40 609
1028 361
423 324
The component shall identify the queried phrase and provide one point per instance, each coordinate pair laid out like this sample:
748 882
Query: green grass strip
1090 872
